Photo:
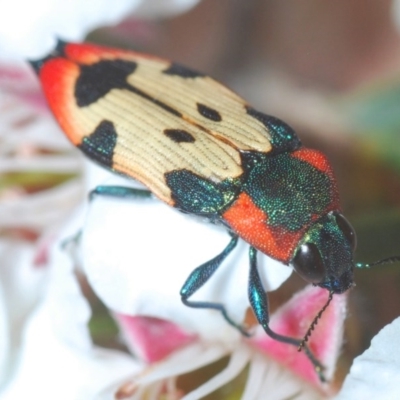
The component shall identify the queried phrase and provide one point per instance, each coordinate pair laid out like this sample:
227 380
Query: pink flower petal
293 320
42 253
151 338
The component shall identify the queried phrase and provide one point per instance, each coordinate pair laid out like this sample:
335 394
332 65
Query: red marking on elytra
58 77
251 223
89 54
319 161
315 158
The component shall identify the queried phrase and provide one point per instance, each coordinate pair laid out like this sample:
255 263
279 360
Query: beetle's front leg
259 303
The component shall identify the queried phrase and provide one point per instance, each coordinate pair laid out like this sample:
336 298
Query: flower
57 357
36 193
165 349
375 373
274 368
170 339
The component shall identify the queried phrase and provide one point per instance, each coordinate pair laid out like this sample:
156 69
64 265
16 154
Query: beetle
202 149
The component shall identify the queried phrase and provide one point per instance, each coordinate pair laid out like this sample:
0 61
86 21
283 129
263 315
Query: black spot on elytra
208 112
283 137
96 80
183 72
179 135
99 145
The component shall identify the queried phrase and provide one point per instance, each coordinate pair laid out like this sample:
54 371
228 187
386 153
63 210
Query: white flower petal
375 373
237 362
183 361
60 164
57 356
64 292
138 254
163 8
166 371
51 369
396 13
281 384
21 281
257 369
42 209
273 273
30 29
5 338
20 287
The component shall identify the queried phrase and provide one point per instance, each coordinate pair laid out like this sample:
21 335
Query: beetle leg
200 276
259 303
72 241
120 191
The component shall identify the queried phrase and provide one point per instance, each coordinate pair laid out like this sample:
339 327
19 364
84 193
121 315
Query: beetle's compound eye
347 230
308 263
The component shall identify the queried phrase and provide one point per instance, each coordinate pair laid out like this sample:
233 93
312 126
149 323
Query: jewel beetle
202 149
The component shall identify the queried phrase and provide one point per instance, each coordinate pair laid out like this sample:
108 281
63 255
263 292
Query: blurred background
332 71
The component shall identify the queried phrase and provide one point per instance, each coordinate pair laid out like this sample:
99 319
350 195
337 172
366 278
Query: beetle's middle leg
200 276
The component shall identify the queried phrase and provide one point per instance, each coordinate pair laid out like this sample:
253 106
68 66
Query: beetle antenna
315 322
388 260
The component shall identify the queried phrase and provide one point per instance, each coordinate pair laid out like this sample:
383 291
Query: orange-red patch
58 77
251 223
89 54
315 158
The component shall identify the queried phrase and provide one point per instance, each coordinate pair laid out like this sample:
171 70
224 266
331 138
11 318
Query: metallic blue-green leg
259 303
120 192
70 242
200 276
